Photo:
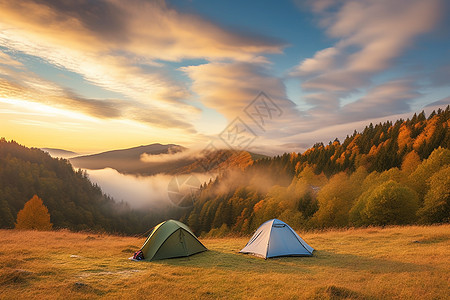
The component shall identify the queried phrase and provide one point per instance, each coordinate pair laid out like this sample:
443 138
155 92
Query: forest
388 174
72 200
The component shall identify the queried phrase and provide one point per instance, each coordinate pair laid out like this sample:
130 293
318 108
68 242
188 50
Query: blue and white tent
276 238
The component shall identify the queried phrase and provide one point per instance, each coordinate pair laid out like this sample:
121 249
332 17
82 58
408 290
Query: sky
266 76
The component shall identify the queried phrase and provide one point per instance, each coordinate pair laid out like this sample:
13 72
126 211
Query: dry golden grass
391 263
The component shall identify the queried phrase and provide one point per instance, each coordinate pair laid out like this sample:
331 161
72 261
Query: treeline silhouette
390 173
72 200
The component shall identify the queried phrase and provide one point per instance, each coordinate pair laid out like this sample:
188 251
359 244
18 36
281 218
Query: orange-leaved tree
34 215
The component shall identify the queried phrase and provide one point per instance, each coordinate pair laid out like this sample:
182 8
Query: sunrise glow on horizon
94 76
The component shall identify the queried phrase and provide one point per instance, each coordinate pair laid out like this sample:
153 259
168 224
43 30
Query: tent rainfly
275 238
171 239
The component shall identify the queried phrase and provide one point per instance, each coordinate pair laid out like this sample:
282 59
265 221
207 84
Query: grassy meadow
374 263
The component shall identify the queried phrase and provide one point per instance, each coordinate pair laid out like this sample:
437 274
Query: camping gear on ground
171 239
138 255
275 238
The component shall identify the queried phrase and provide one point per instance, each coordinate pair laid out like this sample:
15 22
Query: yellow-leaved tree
34 215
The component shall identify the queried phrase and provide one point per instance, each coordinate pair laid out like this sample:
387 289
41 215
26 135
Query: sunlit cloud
166 72
108 42
370 34
31 88
38 109
230 87
112 44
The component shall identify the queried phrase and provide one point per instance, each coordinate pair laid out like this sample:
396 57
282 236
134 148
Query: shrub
390 203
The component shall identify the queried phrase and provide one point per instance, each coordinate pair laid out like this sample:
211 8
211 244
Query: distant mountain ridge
129 161
134 152
126 161
60 152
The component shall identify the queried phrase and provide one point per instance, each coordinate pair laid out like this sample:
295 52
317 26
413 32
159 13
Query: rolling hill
128 161
168 159
60 153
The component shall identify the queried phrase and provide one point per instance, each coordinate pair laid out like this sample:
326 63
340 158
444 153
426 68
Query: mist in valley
140 192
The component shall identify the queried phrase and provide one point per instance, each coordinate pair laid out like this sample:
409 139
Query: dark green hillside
72 200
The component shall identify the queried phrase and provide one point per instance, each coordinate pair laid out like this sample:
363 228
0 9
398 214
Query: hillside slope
405 164
72 200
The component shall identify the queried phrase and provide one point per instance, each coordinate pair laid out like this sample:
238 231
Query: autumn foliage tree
390 203
34 215
437 200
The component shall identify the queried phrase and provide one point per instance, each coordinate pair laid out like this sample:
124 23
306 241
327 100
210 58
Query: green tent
171 239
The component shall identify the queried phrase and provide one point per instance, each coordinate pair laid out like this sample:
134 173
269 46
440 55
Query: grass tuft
333 292
434 239
14 276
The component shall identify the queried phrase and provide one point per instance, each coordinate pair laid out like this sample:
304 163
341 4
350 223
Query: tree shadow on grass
286 265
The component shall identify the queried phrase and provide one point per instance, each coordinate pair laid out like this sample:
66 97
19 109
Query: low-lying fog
140 191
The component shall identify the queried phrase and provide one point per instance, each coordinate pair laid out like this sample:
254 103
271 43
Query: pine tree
6 218
34 215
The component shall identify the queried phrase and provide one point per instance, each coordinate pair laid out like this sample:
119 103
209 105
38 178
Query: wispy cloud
27 86
392 97
108 42
338 81
442 102
230 87
123 47
175 153
370 35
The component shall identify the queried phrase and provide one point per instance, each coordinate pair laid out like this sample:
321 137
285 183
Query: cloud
440 76
322 61
7 60
26 86
232 90
389 98
338 81
108 42
442 103
230 87
370 34
329 119
122 47
175 153
152 29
